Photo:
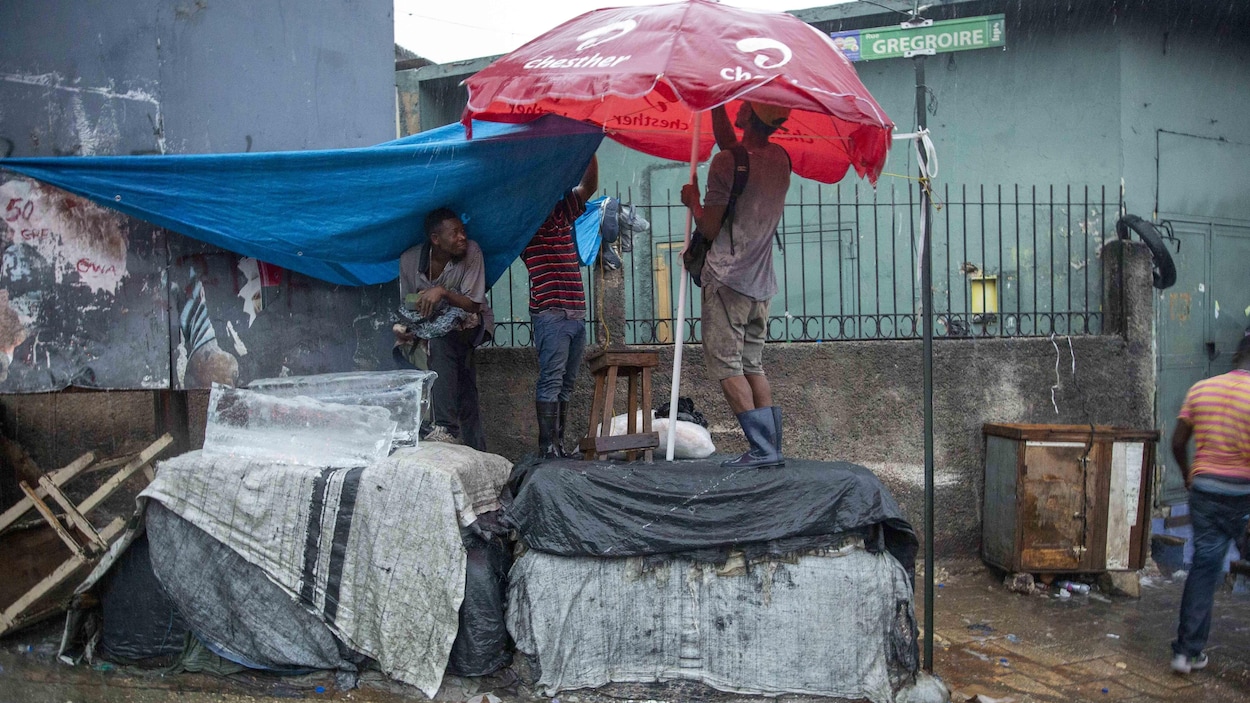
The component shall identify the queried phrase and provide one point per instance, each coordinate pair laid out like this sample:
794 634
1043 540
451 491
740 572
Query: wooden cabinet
1067 498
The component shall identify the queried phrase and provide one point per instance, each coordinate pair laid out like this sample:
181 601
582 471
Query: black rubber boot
758 425
548 419
564 411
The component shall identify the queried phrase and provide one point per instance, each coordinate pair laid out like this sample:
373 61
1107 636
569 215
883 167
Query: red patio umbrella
643 73
646 74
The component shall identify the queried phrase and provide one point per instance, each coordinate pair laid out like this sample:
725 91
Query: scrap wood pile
48 541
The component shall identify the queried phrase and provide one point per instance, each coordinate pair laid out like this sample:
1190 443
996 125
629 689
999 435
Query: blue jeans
560 343
1217 520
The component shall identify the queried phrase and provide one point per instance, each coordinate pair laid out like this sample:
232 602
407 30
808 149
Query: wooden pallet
40 570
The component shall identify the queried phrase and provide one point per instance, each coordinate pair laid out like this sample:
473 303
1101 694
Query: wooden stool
607 367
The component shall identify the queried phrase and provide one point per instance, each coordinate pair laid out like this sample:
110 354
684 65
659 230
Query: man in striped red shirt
1216 414
558 311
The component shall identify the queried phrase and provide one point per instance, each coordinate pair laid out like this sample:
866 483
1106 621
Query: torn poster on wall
86 299
234 319
82 294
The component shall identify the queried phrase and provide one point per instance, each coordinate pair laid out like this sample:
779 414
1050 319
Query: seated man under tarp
443 317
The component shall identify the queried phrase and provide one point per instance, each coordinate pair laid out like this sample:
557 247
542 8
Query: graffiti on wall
234 319
90 297
82 292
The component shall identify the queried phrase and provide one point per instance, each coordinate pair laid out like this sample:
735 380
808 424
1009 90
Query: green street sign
934 38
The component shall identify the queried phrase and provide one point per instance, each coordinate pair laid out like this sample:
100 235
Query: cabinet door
1124 498
1052 506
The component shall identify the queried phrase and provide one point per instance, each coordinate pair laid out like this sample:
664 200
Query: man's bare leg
739 392
761 390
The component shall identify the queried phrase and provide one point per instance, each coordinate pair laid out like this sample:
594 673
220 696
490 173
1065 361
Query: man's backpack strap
742 172
790 169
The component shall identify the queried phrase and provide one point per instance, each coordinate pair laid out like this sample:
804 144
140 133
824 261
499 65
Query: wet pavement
989 642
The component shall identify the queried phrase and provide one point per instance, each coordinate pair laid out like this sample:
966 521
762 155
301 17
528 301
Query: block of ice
296 430
404 393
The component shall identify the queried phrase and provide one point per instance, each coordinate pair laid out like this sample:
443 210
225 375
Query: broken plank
83 525
11 616
50 518
106 489
58 478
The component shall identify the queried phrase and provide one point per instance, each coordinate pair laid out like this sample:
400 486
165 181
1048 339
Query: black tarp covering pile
699 510
482 644
138 621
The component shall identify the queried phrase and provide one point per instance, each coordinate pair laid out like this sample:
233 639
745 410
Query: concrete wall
152 76
146 76
862 401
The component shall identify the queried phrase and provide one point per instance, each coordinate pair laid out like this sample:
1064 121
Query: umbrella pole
680 332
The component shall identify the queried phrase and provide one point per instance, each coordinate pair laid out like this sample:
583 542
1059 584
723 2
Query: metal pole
680 332
926 315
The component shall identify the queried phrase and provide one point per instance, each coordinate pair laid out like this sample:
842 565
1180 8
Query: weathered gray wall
145 76
157 76
862 401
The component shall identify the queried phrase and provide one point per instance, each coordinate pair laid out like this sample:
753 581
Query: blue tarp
345 216
587 231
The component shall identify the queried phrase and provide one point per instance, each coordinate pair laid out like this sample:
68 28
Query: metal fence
1008 261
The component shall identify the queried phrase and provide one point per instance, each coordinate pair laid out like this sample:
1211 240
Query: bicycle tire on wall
1164 269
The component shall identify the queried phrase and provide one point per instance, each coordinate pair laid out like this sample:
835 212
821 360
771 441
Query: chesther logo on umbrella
592 38
605 34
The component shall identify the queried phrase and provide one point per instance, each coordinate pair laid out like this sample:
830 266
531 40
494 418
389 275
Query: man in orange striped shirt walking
1216 414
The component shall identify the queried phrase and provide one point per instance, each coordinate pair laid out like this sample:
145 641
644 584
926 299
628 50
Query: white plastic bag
693 440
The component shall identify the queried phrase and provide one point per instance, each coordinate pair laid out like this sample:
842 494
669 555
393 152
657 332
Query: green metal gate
1200 321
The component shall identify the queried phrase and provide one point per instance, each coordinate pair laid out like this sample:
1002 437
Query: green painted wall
1033 144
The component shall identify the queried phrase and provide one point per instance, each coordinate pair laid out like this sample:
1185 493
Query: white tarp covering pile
839 623
376 551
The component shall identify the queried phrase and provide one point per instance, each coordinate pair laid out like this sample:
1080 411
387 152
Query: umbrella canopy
642 72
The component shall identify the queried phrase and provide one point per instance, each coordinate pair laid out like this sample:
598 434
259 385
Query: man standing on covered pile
738 278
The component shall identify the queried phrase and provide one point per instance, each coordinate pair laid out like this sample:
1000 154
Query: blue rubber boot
761 432
777 427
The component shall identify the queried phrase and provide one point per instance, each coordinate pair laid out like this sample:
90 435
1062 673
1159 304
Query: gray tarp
231 605
838 624
376 552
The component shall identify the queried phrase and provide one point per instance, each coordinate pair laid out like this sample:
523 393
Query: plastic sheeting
482 644
839 624
231 606
375 551
700 509
139 621
345 216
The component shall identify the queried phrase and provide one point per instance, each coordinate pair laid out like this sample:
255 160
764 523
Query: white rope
1055 387
928 159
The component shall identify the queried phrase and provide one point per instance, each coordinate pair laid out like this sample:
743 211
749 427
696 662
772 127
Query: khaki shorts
734 329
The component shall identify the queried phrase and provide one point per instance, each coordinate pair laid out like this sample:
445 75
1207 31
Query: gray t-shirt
466 276
749 270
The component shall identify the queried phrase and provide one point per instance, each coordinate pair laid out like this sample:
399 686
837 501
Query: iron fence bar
841 289
876 259
1034 220
857 297
820 255
840 222
946 197
1085 253
1050 220
985 256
